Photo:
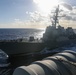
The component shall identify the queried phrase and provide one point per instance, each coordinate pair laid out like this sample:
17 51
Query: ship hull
21 47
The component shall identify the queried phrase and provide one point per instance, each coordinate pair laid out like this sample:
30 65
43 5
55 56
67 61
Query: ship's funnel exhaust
63 63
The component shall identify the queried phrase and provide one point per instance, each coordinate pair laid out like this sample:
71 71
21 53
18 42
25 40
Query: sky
34 13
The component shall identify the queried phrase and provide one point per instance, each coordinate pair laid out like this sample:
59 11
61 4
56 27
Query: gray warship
56 35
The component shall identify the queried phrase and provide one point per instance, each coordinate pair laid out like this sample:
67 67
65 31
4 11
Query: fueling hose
63 63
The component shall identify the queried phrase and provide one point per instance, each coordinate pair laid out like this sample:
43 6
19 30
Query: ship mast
55 17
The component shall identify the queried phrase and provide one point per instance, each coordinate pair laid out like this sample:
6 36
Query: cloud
74 7
17 23
27 12
67 6
69 15
40 20
38 17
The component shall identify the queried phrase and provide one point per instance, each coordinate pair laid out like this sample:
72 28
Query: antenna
55 17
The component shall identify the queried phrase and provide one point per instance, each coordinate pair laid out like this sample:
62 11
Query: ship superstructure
55 34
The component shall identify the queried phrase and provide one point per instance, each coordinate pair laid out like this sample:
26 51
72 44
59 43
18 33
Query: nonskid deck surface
17 61
6 71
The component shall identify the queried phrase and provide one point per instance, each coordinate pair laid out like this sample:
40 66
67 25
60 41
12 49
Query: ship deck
23 59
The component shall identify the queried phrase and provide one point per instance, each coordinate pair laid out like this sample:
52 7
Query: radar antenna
55 17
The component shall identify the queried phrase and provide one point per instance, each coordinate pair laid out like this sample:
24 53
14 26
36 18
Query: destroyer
56 35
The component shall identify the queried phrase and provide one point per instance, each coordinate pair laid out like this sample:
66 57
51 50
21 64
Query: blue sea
10 34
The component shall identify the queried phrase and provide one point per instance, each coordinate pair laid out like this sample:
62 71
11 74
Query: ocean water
9 34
